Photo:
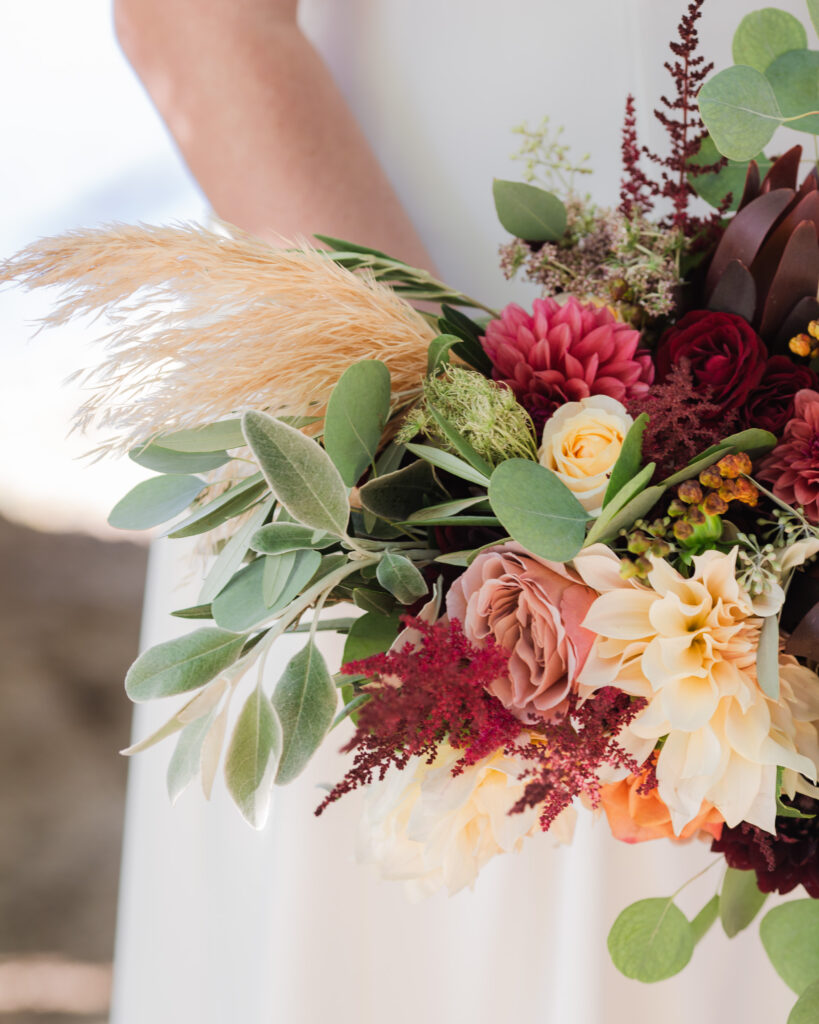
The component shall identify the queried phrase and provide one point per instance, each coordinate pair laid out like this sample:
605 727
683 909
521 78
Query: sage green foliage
186 760
230 558
300 473
214 437
253 757
305 701
166 460
701 924
399 577
484 414
790 935
182 664
529 212
276 538
806 1009
449 463
773 82
739 900
155 501
227 506
538 510
395 496
714 186
370 634
651 940
764 35
356 414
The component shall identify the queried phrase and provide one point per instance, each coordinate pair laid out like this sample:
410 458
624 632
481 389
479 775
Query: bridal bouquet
572 546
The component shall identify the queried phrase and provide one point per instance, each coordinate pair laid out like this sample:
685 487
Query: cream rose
581 443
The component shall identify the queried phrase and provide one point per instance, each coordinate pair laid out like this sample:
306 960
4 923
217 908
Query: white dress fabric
219 923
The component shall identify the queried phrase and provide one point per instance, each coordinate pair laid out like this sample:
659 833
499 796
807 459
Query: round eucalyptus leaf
529 212
790 935
739 900
356 413
764 35
537 509
740 111
651 940
806 1010
795 80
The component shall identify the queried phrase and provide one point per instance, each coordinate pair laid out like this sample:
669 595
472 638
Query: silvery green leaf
790 935
165 460
230 558
182 664
253 756
155 501
215 437
299 472
305 700
277 538
740 111
449 463
356 414
739 900
400 577
186 759
277 570
230 503
764 35
651 940
240 605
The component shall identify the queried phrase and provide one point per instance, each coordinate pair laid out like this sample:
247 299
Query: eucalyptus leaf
438 352
395 496
813 11
182 664
767 657
740 111
155 501
230 558
165 460
253 757
714 186
186 759
299 472
356 414
651 940
739 900
806 1009
228 505
276 538
537 509
790 935
529 212
701 924
764 35
794 77
449 463
400 577
304 566
629 460
305 701
215 437
371 634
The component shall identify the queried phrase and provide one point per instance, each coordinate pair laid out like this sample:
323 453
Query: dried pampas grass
205 325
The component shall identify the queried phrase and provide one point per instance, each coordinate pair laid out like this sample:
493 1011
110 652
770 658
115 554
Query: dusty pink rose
793 466
564 353
534 610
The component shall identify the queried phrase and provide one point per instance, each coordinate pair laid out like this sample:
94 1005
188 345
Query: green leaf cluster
774 81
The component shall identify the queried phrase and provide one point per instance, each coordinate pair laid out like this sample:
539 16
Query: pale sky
81 146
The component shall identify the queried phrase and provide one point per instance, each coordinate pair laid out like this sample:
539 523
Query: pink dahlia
562 353
793 466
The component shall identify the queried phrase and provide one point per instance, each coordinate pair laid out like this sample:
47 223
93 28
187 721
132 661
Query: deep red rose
770 404
726 356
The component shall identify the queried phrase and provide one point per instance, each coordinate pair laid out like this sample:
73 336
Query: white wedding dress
219 923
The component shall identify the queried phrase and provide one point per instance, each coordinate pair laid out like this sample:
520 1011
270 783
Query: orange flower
635 817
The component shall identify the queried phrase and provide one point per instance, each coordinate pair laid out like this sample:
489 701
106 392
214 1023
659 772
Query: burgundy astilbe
636 189
683 421
567 758
423 696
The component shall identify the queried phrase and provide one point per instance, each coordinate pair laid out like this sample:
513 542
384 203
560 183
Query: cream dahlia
564 353
689 646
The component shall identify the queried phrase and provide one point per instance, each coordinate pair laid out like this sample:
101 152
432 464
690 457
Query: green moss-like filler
482 411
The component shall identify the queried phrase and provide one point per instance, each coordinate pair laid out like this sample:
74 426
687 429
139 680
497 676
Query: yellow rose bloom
581 443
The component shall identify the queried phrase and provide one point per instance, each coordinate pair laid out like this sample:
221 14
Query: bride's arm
260 121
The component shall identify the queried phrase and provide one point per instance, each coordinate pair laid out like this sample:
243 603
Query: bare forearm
260 121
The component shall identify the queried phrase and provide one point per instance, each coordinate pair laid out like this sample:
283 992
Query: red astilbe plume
569 754
683 125
422 696
682 419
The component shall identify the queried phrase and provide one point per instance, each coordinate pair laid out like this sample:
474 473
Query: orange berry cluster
712 494
806 345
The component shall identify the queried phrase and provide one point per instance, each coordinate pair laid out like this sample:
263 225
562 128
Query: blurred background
81 146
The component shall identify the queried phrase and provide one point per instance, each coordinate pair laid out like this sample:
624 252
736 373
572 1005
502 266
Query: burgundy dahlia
726 355
781 861
770 405
793 466
562 353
